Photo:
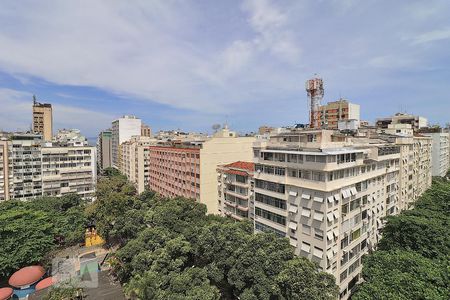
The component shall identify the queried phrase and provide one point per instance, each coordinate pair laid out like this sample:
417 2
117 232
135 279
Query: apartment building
26 166
68 169
440 150
189 169
235 190
341 110
42 119
417 122
135 161
327 194
175 170
5 170
122 130
146 130
104 150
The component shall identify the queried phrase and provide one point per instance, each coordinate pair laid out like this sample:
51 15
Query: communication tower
314 89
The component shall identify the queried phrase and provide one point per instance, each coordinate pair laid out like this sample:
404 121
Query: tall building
6 174
333 112
146 130
104 150
68 169
42 119
417 122
190 169
122 130
440 149
328 192
135 161
235 190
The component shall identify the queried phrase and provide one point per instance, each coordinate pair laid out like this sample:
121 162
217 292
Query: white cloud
432 36
16 114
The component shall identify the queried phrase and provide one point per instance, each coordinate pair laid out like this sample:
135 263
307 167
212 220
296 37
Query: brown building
42 119
146 130
341 110
175 171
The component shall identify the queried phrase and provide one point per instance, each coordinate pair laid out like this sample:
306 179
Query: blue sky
190 64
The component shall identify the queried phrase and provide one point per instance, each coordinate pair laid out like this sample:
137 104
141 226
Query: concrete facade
416 122
6 175
104 150
333 112
122 130
43 119
441 149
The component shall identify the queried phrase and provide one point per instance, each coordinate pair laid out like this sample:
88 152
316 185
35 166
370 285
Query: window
306 229
270 186
279 203
343 275
355 234
264 228
318 234
270 216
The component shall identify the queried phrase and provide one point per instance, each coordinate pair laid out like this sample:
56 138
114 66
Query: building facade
122 130
175 171
6 175
416 122
235 190
328 193
104 150
68 169
135 161
341 110
43 119
440 150
146 130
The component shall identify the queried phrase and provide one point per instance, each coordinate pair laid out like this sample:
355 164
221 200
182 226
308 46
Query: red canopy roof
26 276
6 293
44 283
244 165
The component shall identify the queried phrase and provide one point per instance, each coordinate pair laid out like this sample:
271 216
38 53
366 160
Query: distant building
135 161
440 150
104 150
146 130
71 137
189 169
42 119
235 190
122 130
416 122
264 129
333 112
6 176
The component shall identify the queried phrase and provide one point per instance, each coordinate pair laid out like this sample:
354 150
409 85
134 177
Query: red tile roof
243 165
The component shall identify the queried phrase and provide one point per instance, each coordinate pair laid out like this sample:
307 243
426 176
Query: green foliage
413 256
64 292
111 172
181 253
30 230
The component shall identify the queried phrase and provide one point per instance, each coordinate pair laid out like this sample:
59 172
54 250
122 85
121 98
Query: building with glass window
328 192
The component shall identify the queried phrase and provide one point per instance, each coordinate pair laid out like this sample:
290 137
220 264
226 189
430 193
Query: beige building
235 190
441 149
68 169
146 130
328 192
6 174
122 130
341 110
416 122
42 119
135 161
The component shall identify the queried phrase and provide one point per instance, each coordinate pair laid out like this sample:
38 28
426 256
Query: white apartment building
440 158
68 169
26 166
135 161
328 193
122 130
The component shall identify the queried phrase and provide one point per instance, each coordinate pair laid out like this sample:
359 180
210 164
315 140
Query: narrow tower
314 89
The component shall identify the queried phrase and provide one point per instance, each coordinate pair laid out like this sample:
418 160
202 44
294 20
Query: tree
402 275
26 236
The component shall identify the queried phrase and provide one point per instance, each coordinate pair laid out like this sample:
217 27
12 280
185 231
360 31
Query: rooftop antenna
34 100
315 91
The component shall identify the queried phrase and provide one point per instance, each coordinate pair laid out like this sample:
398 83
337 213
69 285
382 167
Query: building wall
175 171
69 170
104 150
218 151
440 153
5 170
331 113
122 130
43 120
328 197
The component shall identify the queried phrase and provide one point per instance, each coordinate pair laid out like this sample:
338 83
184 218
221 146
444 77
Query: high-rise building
68 169
235 190
122 130
146 130
440 149
135 161
42 119
6 174
417 122
328 192
104 150
333 112
190 169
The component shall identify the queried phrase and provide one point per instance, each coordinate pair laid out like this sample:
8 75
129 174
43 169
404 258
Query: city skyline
190 65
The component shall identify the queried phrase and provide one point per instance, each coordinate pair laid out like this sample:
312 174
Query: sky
190 64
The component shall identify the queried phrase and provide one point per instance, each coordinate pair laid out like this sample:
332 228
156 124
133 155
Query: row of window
275 202
270 216
270 186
